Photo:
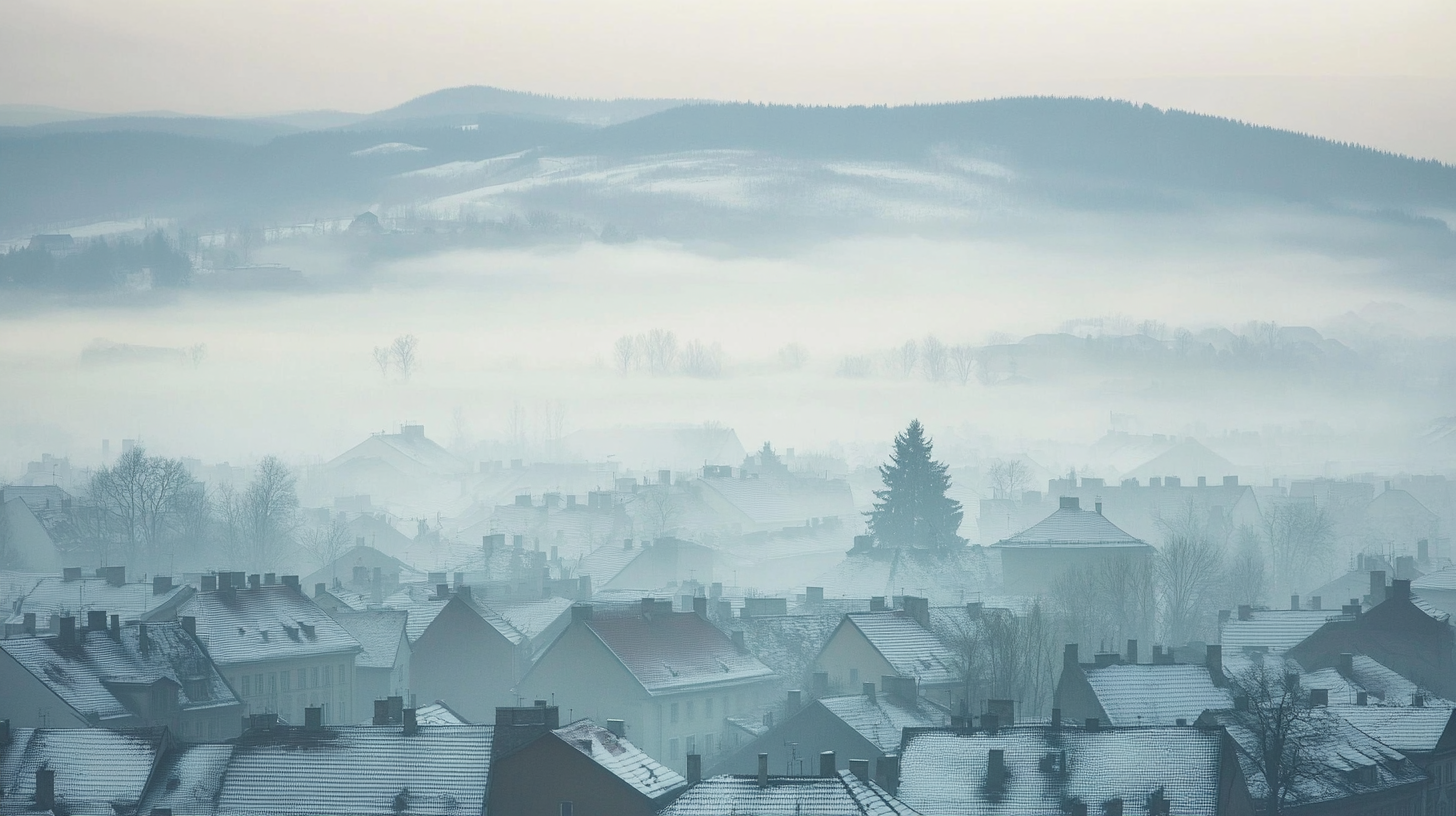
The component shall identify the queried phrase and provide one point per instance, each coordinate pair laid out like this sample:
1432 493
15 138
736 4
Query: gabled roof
841 795
1408 729
1160 694
96 770
534 618
1382 684
134 601
363 770
362 555
270 622
880 719
622 759
378 632
911 649
951 578
1399 503
787 644
945 772
606 562
83 674
437 713
673 651
1188 459
415 448
1441 579
424 606
1276 630
1071 527
188 780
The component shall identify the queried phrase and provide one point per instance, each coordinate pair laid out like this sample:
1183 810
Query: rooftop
378 632
912 649
880 719
671 651
83 785
1144 694
51 595
841 795
1276 630
1408 729
270 622
623 759
1071 526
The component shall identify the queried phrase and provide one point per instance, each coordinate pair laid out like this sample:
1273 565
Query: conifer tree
913 510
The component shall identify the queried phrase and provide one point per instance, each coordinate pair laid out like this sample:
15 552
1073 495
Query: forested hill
1117 140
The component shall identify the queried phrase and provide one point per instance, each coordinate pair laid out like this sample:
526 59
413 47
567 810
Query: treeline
99 265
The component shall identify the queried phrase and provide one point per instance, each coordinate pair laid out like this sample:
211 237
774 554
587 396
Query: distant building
647 565
382 666
55 244
461 651
117 676
1069 540
40 608
365 569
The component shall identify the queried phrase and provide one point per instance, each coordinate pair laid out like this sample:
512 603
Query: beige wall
326 680
851 661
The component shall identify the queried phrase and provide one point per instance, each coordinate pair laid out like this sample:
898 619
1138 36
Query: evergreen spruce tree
913 510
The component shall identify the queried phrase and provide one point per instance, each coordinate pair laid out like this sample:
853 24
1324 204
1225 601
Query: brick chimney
887 773
860 768
45 788
68 629
1213 659
96 620
695 768
381 712
918 609
996 769
1294 603
410 723
313 718
618 728
1132 651
763 770
827 767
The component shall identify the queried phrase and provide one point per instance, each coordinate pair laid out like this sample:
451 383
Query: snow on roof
841 795
189 779
378 632
1441 579
912 649
1159 694
361 770
945 772
1188 459
86 786
671 651
880 719
1408 729
788 644
1071 527
1381 683
534 618
1276 630
606 562
423 607
437 713
1334 749
135 601
80 674
269 622
622 759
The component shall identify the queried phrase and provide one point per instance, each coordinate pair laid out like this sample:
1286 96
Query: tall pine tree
913 510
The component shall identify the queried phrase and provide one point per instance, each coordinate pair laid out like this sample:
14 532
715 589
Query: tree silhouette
913 510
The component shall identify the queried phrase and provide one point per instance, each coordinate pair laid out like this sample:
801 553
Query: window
247 686
303 678
692 710
692 741
285 677
566 809
258 684
272 684
672 713
672 751
708 743
313 675
328 675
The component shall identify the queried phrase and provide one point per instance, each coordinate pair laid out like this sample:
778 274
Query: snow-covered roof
672 651
534 618
268 622
1159 694
912 649
98 772
83 674
1408 729
378 632
1443 579
1071 527
437 713
1275 630
880 719
622 759
135 601
787 644
840 795
946 772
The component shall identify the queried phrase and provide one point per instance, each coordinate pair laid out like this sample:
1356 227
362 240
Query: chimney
516 727
618 728
1069 656
1056 719
1246 612
990 722
313 718
209 583
381 712
442 592
45 788
793 702
1213 659
224 581
869 690
96 620
189 625
1132 651
877 603
1070 503
68 629
320 589
290 581
827 768
1423 551
1400 589
1098 505
695 768
4 733
254 581
1230 481
1319 697
996 769
411 724
115 576
887 773
1291 681
1418 700
1362 698
1005 711
1347 664
161 584
700 606
69 574
1377 586
28 623
395 707
581 612
270 578
763 770
860 768
1315 602
974 609
918 609
116 627
1113 806
1294 603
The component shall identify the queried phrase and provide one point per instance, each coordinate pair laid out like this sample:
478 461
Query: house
865 725
28 545
897 643
1134 694
1271 630
671 676
1395 521
1416 642
540 769
382 666
1071 539
117 676
787 644
279 651
71 594
832 791
945 579
461 651
360 770
1341 770
1138 505
392 465
1054 769
77 771
367 570
656 564
1424 734
540 622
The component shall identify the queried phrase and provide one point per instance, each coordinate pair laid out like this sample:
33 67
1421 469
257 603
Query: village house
831 791
77 771
866 725
647 565
1071 539
382 666
542 769
1426 735
365 570
117 676
897 643
41 606
1051 769
672 677
278 651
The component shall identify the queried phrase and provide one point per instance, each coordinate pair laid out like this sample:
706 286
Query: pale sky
1370 70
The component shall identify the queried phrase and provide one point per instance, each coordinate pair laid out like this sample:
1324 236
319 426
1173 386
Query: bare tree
1008 478
1113 601
657 509
404 351
382 358
793 356
624 353
963 362
326 542
906 357
1001 655
661 347
854 367
268 514
1191 569
1274 726
140 493
934 358
1300 536
196 354
701 360
1248 582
